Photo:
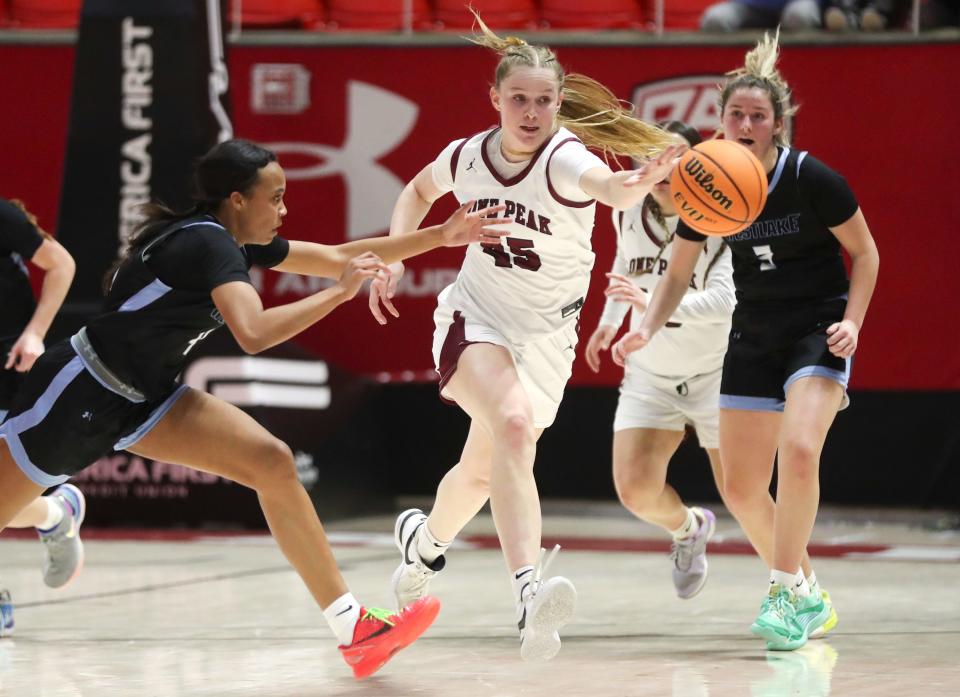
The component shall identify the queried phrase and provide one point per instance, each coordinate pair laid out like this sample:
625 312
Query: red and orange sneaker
379 634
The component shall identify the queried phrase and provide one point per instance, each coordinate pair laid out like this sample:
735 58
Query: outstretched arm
257 329
329 261
623 190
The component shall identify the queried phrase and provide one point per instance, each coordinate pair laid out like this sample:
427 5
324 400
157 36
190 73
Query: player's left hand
24 353
842 338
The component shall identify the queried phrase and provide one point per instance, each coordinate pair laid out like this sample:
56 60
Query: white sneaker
412 578
549 605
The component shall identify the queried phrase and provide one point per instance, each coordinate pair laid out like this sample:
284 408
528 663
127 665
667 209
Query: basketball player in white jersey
506 328
675 382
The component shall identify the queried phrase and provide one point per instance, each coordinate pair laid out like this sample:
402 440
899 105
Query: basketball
718 188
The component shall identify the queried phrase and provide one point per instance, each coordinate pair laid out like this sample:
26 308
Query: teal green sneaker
831 620
786 620
813 612
777 622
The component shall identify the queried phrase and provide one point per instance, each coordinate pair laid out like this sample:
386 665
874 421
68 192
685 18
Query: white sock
812 581
54 515
428 546
521 580
690 527
342 615
784 578
800 585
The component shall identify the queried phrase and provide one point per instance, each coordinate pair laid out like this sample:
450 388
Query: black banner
149 95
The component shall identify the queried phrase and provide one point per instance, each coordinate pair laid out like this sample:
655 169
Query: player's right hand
359 269
383 292
629 342
599 341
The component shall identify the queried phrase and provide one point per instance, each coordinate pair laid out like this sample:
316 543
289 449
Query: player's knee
516 430
798 452
275 465
742 495
636 492
799 459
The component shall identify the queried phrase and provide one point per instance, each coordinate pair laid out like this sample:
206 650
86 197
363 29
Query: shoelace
541 568
377 613
781 604
681 553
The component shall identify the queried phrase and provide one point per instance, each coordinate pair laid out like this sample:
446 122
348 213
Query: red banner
353 124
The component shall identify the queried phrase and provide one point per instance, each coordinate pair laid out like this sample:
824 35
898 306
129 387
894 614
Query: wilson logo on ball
719 187
695 168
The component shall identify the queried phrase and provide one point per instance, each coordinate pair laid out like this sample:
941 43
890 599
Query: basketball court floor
197 614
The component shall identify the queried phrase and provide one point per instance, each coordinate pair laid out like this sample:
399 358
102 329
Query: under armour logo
87 416
682 389
470 166
377 122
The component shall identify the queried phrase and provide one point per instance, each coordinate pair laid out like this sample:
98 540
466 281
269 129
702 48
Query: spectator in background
872 15
733 15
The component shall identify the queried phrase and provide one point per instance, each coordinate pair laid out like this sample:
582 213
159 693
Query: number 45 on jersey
518 252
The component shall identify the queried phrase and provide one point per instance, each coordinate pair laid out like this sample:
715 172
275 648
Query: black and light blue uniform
19 241
109 384
791 285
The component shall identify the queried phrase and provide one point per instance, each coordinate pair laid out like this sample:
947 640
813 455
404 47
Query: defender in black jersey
24 321
794 332
113 384
23 325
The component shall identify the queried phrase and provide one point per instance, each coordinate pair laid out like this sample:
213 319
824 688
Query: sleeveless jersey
159 304
534 282
694 341
789 253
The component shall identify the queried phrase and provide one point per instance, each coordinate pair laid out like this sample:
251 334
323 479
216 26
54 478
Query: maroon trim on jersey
620 215
553 192
455 158
516 179
646 227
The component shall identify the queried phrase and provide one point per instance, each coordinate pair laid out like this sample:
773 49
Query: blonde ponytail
588 109
603 122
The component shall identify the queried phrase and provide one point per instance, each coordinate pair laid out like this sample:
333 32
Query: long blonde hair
760 70
588 109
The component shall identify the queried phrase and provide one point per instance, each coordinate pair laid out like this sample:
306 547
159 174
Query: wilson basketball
718 188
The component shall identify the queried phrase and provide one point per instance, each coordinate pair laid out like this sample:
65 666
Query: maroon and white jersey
694 340
533 282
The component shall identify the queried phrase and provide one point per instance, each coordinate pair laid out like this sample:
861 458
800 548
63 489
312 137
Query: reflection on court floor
203 614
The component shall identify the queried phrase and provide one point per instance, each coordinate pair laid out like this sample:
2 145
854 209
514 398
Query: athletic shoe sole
552 607
366 658
78 502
